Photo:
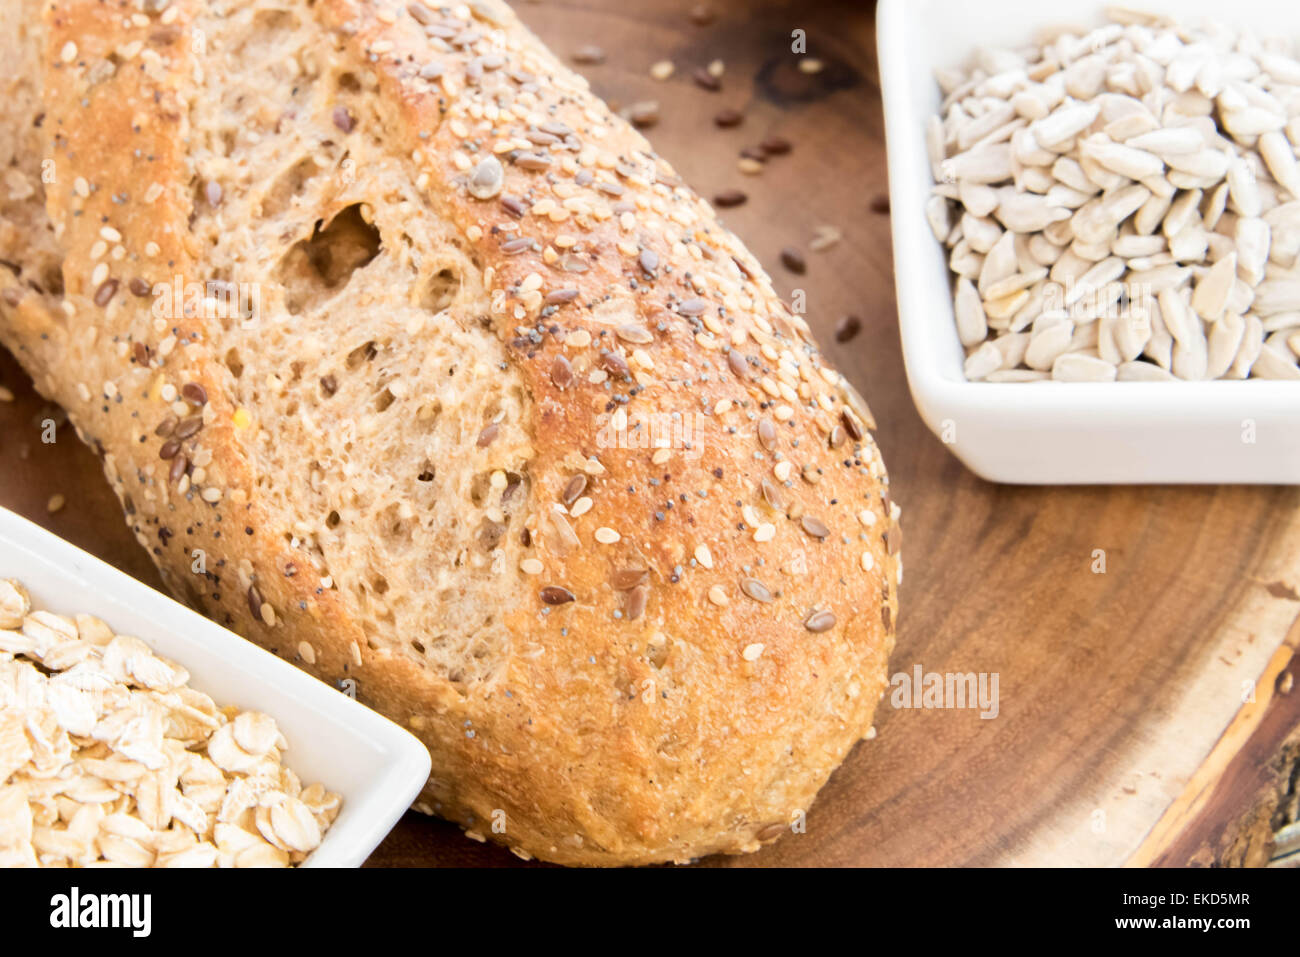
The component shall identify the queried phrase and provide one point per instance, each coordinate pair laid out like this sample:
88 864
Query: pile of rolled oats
109 758
1123 203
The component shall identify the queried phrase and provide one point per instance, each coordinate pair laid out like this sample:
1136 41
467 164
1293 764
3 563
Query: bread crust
704 721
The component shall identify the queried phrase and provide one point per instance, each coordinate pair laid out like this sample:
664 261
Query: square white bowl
1054 432
376 766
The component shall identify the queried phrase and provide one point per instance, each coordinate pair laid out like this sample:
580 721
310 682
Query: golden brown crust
698 710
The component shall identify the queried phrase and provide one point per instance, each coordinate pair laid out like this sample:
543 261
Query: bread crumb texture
413 363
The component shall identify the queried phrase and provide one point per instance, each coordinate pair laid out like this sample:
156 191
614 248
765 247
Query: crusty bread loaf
413 363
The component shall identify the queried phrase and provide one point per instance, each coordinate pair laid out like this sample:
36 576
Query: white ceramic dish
1054 432
375 765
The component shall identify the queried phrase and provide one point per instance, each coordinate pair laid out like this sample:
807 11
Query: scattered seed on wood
702 15
706 80
728 118
847 328
589 55
775 146
793 260
644 114
729 198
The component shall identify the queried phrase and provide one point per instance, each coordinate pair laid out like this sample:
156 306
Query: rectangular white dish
1053 432
376 766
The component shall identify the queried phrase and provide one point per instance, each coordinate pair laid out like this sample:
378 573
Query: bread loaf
413 363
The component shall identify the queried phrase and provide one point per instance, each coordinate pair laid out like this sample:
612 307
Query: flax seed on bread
484 409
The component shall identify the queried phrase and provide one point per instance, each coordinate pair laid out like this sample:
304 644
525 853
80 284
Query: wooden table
1144 711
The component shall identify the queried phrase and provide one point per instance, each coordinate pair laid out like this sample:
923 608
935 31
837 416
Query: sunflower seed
1191 355
1252 340
982 164
981 233
939 215
1160 346
1142 372
1252 121
1073 367
1064 123
1029 213
1280 158
1253 236
1224 343
1211 295
1277 295
1124 160
1119 196
984 361
972 324
1174 141
1045 346
1272 364
979 200
999 263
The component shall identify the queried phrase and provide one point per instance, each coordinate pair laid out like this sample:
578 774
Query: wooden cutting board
1141 709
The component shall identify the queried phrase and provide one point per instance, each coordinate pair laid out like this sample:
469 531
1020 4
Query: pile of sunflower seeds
1123 203
109 758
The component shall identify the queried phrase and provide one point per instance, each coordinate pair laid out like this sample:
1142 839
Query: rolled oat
109 758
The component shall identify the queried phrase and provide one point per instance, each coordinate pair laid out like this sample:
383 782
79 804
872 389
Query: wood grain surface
1125 696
